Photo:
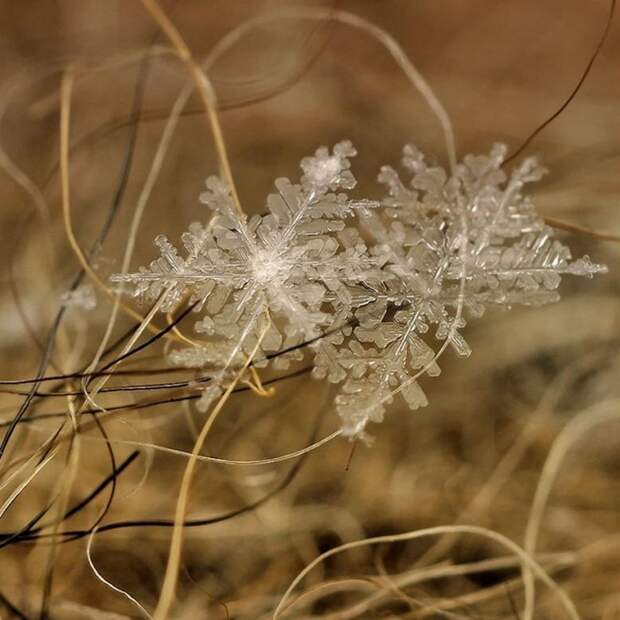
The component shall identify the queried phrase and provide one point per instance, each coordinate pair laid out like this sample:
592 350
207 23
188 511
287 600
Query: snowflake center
266 267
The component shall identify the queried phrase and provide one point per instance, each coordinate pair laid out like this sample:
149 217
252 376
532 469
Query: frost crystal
443 249
293 264
82 297
454 245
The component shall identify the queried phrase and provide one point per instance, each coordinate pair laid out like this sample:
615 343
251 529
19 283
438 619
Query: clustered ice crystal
364 281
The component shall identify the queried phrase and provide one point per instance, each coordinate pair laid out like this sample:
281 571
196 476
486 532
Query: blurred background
474 456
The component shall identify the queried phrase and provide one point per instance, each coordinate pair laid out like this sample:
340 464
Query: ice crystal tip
324 172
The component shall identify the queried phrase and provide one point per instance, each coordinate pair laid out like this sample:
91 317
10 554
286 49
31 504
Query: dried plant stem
576 89
26 481
22 180
65 107
525 558
65 486
503 470
220 461
408 68
602 413
145 194
205 90
108 583
416 576
355 21
174 558
581 230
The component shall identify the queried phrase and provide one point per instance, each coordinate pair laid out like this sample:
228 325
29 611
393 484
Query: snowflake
454 244
292 265
83 297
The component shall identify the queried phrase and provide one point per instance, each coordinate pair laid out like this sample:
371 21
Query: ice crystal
439 249
455 246
83 297
293 264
